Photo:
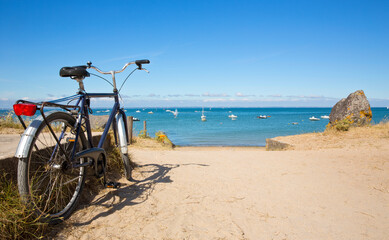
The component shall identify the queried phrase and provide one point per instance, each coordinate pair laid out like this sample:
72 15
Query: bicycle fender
29 135
122 133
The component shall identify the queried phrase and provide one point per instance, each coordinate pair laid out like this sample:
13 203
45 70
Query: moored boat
203 117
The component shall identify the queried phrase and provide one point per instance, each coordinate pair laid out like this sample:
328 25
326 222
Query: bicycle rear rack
40 107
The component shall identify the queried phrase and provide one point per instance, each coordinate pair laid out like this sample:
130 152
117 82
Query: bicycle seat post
80 83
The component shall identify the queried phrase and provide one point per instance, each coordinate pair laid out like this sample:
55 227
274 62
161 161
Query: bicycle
56 148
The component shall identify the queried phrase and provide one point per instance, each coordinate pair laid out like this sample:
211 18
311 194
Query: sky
203 53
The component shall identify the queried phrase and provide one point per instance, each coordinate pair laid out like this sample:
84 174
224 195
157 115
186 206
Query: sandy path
238 193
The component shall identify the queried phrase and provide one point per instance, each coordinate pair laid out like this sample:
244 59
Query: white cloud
239 94
275 95
153 95
207 94
191 95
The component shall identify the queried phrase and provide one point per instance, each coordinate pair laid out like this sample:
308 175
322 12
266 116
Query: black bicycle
56 148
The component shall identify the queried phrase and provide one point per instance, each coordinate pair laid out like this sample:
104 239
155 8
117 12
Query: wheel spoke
52 188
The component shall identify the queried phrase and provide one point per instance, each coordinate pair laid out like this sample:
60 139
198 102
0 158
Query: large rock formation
355 110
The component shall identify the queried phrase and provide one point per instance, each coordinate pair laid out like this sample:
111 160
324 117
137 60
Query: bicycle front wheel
46 181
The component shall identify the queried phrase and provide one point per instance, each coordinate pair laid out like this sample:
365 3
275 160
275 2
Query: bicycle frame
81 108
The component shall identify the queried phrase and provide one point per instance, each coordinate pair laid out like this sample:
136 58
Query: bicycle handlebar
137 62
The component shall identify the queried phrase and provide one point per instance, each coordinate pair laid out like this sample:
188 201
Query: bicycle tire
127 166
51 188
122 138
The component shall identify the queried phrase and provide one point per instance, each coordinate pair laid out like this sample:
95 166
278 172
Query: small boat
233 117
314 118
135 119
151 112
107 110
295 123
262 116
138 111
203 117
325 117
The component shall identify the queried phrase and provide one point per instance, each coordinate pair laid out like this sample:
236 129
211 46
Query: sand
244 193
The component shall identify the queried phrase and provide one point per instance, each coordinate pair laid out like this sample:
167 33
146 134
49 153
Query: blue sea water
187 129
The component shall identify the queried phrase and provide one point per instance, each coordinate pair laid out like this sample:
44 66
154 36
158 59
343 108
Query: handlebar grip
144 61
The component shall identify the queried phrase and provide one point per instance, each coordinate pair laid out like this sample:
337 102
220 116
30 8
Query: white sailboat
314 118
233 117
203 117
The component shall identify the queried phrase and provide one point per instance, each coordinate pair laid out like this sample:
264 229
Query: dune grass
17 221
9 123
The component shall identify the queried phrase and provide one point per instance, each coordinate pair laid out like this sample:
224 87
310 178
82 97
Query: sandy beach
244 193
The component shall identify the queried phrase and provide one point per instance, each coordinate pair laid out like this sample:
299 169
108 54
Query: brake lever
144 69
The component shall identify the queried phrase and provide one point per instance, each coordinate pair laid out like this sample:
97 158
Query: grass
143 134
17 221
373 136
10 122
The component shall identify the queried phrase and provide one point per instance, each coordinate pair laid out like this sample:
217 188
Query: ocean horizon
187 129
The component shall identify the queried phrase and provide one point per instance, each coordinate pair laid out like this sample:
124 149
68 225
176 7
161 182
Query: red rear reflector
25 109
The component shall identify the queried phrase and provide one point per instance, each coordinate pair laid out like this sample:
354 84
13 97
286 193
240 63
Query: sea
187 129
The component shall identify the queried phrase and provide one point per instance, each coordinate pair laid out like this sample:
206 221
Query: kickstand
110 184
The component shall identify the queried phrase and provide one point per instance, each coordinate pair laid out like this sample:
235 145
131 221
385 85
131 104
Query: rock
355 109
275 145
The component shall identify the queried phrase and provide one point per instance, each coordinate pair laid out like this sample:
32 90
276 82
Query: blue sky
202 53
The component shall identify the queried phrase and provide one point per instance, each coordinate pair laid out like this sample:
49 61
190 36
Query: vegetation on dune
343 125
10 121
17 221
143 134
163 138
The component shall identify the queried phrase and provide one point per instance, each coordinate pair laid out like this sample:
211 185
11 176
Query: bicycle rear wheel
45 180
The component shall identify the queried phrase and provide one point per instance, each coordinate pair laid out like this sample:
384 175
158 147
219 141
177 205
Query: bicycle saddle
73 72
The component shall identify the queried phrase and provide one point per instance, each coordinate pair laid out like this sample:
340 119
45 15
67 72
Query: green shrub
343 125
163 138
143 134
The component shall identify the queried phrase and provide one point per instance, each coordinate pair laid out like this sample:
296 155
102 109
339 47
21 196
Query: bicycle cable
127 78
101 78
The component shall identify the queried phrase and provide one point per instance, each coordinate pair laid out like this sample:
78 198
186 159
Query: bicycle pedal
112 185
